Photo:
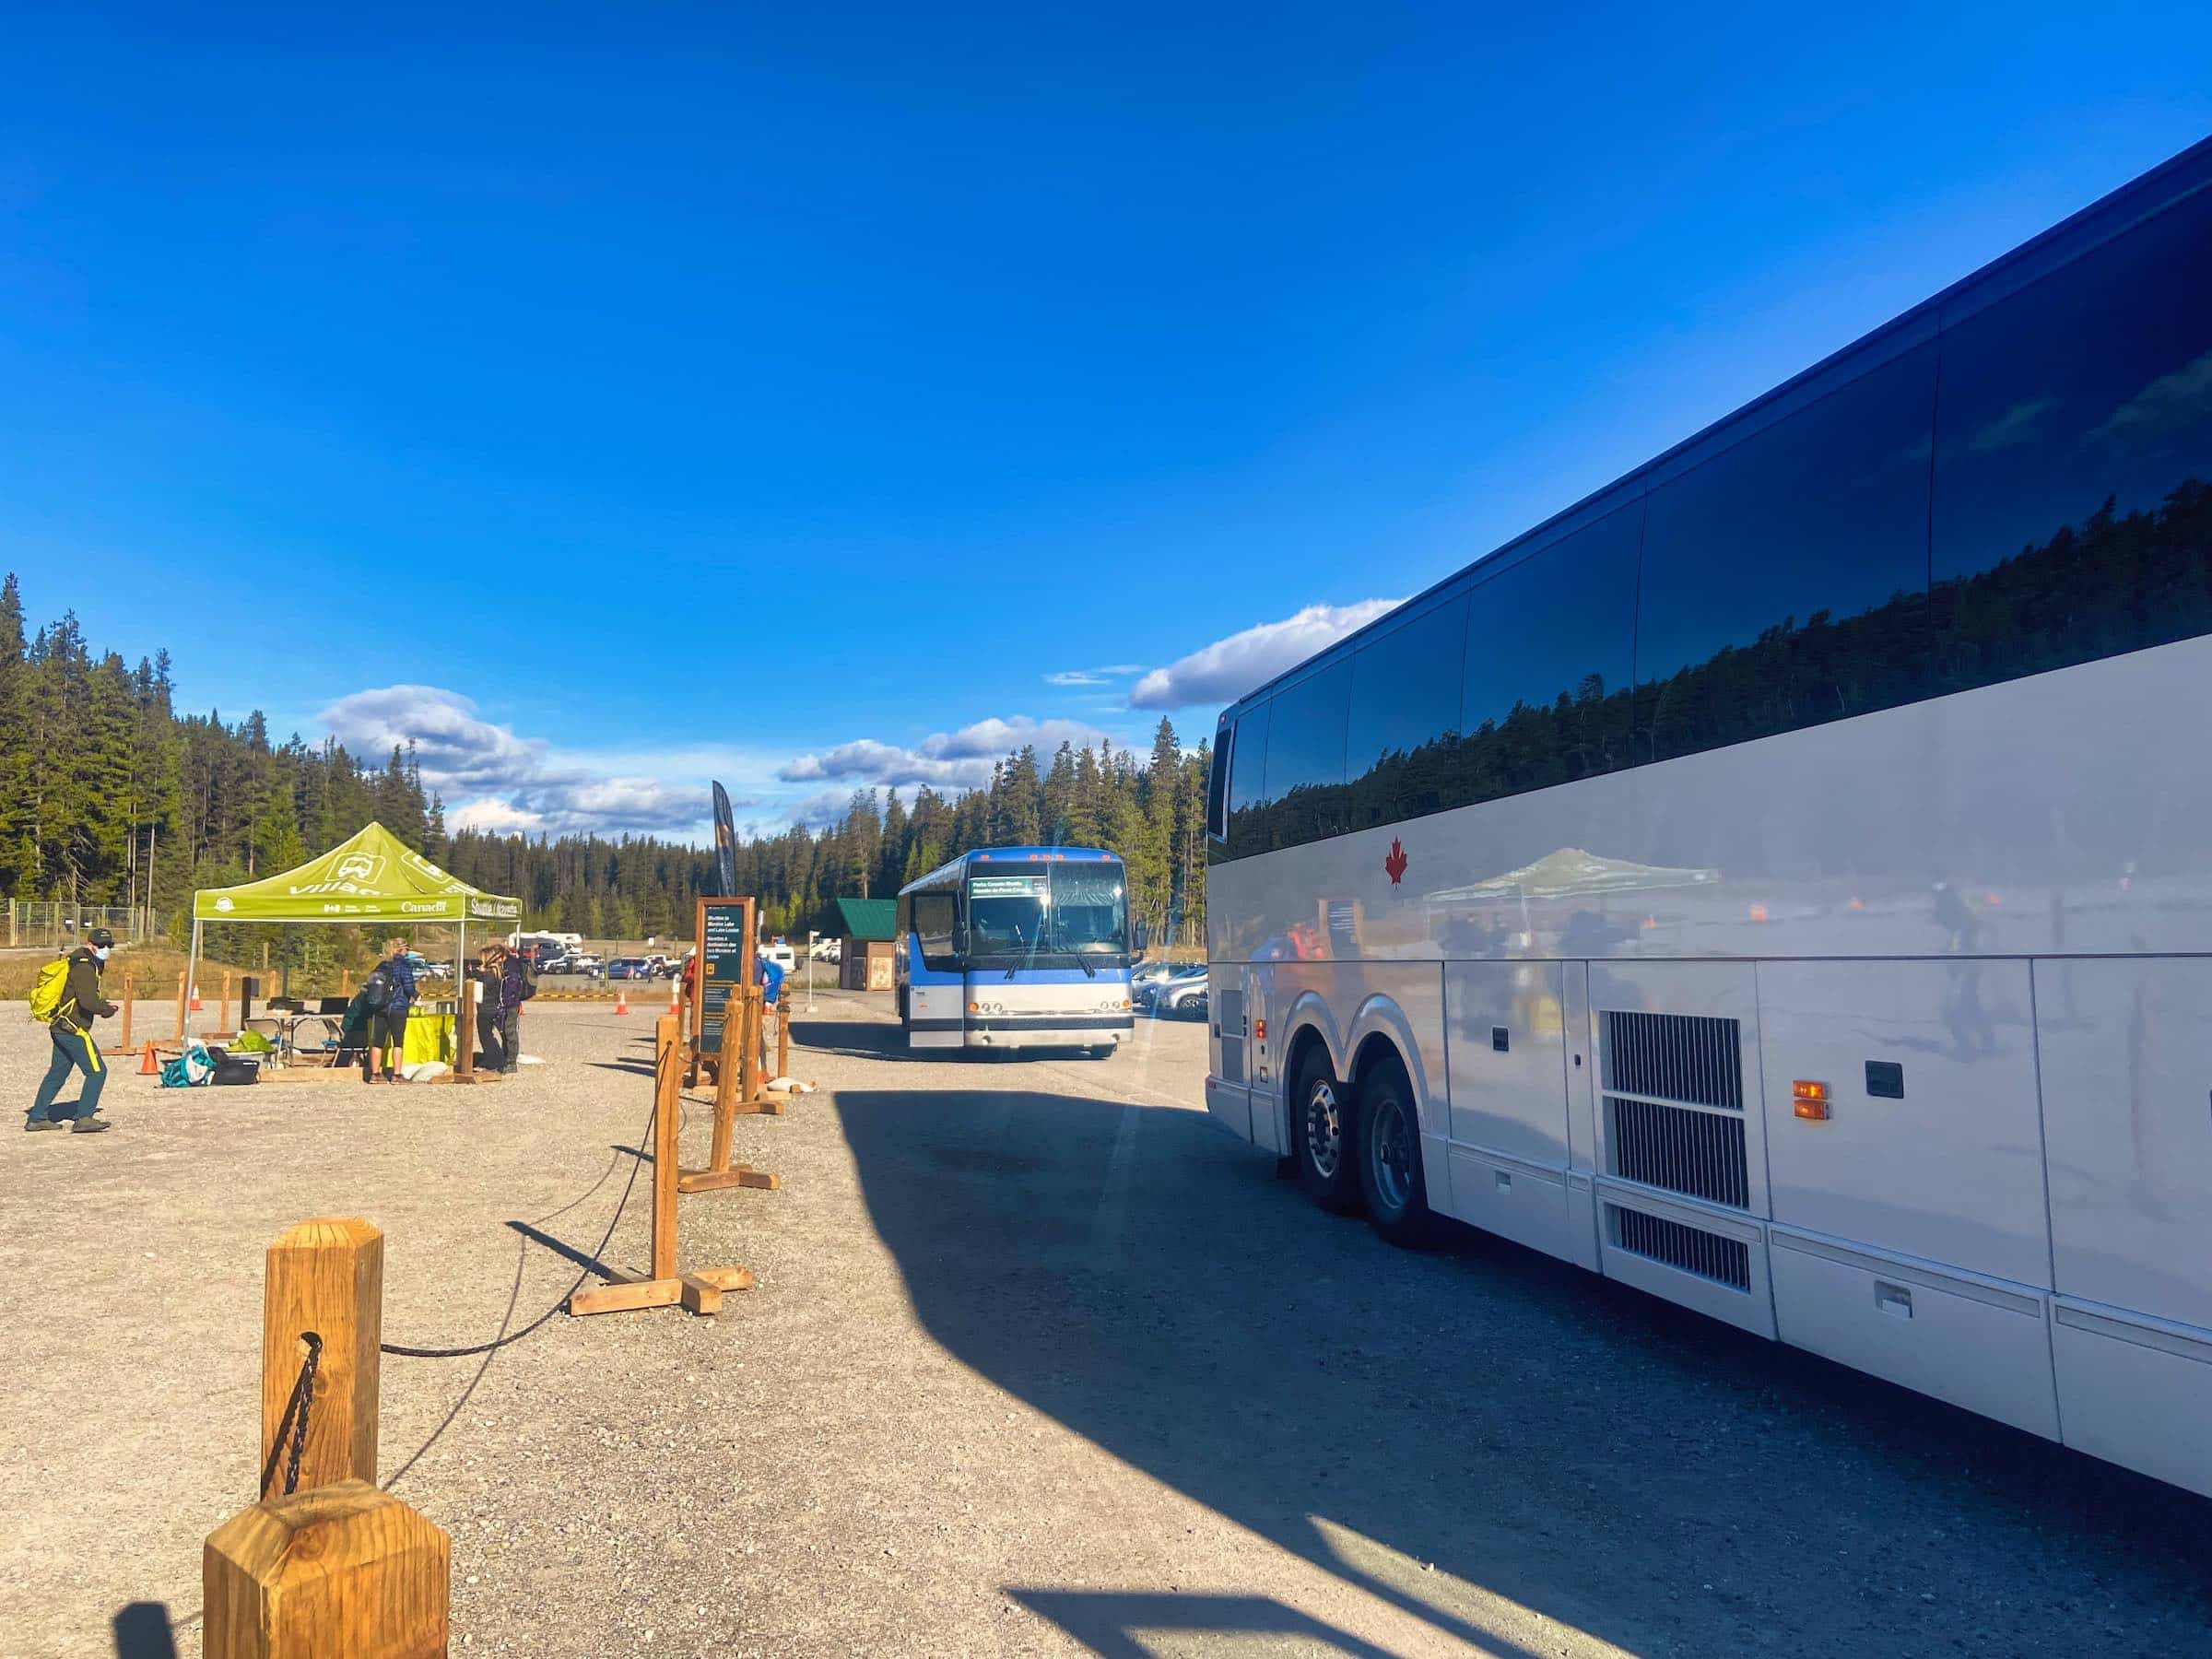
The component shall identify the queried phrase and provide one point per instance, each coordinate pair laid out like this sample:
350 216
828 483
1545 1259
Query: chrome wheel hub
1391 1152
1325 1129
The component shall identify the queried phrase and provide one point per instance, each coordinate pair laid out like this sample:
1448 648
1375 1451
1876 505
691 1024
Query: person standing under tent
518 985
388 1029
70 1027
490 979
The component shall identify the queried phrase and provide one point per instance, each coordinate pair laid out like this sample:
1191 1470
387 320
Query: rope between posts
644 1139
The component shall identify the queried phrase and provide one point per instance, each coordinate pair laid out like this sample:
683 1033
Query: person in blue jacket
388 1029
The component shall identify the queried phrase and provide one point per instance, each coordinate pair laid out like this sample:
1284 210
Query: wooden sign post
181 1011
701 1290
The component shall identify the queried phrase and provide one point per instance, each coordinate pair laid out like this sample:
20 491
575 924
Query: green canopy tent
371 880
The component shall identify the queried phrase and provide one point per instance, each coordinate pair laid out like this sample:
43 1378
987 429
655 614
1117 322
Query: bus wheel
1323 1136
1390 1158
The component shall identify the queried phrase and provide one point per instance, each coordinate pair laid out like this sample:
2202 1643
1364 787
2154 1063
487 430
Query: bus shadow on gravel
1479 1432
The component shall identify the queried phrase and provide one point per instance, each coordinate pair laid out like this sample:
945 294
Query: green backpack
49 995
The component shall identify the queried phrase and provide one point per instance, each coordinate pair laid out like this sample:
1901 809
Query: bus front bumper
1052 1031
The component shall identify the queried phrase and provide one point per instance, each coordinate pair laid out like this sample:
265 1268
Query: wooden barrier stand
743 1079
334 1566
130 994
699 1291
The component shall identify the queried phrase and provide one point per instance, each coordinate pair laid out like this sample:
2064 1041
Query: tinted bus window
1305 757
1402 738
1785 581
2073 505
1548 661
1247 784
933 926
1217 787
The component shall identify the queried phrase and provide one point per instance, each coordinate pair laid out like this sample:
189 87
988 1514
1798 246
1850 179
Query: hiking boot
90 1125
33 1125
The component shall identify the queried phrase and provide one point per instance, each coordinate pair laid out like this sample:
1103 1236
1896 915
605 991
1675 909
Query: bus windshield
1042 918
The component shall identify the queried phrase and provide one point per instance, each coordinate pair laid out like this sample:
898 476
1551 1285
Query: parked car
826 950
783 956
629 967
1181 995
1146 975
587 964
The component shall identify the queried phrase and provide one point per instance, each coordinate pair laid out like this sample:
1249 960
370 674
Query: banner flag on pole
726 844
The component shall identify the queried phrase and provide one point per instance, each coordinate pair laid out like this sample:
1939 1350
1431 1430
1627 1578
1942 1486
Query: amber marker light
1809 1100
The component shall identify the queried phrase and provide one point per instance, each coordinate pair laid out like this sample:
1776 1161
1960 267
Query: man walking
74 1049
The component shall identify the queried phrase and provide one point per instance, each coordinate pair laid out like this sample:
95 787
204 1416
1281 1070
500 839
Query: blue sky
615 397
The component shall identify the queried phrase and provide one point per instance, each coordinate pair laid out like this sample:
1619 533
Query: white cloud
1224 671
960 759
1074 677
501 781
2167 404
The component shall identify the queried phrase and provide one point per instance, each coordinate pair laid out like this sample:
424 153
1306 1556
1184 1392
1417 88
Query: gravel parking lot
1039 1362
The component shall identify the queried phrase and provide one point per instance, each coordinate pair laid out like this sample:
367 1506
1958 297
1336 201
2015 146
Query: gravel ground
1039 1361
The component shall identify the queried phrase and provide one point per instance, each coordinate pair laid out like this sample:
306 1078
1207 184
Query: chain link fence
43 925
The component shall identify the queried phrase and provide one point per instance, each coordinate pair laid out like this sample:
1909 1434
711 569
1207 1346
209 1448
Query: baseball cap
100 936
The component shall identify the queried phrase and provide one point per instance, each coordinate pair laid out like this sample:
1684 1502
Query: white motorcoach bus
1783 881
1016 948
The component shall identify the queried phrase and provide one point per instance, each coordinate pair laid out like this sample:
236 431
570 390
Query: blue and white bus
1017 948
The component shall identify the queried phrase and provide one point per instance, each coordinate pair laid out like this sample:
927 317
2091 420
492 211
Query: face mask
99 953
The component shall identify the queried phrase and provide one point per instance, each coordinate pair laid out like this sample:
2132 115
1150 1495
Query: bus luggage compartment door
935 1013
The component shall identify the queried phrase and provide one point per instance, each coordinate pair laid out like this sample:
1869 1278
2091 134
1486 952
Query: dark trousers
388 1026
491 1050
73 1050
510 1039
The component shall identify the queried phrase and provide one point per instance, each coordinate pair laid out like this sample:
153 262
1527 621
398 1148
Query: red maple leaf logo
1395 863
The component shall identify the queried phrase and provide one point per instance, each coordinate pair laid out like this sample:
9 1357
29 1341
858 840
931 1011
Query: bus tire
1325 1135
1389 1158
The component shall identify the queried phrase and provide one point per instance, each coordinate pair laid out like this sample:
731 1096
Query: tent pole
191 976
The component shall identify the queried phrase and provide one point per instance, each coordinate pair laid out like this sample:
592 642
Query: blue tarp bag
188 1070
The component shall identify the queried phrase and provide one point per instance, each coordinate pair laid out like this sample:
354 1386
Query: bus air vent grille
1689 1249
1675 1104
1697 1154
1687 1057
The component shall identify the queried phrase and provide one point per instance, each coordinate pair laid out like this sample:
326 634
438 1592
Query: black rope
293 1425
644 1139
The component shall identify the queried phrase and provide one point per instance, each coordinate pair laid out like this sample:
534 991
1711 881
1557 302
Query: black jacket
81 999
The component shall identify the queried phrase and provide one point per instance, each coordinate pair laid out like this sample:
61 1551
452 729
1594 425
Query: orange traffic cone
622 999
195 999
146 1068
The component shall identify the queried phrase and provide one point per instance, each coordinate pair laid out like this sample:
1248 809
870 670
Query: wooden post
783 1034
346 982
226 1025
699 1291
326 1277
748 1041
129 995
180 1008
464 1024
667 1106
343 1569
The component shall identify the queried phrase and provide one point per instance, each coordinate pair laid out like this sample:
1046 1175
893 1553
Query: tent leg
192 977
